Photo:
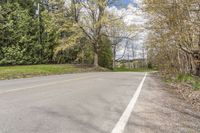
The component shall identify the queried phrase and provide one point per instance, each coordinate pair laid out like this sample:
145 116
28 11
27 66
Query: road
93 103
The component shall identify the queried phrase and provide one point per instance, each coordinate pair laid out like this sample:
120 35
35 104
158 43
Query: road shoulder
159 109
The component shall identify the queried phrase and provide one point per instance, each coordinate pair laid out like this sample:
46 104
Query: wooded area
58 31
86 32
174 35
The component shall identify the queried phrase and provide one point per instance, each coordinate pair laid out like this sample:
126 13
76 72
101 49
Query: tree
91 17
16 34
118 32
174 27
20 30
105 53
48 31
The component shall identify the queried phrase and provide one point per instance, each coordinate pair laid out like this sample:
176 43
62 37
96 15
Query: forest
36 35
86 32
45 32
174 35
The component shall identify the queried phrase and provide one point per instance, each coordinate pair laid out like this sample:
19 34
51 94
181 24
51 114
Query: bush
105 53
12 55
189 79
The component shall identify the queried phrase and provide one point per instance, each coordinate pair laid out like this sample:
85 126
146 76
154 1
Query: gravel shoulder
160 109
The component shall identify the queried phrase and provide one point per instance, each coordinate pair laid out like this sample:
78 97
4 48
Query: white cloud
132 15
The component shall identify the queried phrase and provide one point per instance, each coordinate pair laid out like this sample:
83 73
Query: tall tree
20 30
91 17
174 26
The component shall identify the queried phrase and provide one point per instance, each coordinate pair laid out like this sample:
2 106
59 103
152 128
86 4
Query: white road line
119 127
46 84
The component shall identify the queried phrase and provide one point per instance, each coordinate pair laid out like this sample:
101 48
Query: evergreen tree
25 38
105 53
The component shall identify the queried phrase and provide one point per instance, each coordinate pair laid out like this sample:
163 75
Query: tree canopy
174 39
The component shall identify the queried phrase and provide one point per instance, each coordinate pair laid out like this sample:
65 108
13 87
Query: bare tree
175 31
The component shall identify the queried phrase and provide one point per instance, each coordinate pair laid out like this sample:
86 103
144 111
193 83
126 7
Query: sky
133 15
124 3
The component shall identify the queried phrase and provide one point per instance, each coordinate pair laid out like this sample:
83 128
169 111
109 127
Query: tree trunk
187 64
113 62
180 63
114 54
96 59
196 58
82 56
193 65
198 70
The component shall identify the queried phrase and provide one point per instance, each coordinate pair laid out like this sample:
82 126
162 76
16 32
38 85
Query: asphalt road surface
93 103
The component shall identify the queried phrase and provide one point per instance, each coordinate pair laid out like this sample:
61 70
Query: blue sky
124 3
132 15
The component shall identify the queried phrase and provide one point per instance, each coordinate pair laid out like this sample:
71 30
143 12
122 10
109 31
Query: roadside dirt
184 91
160 109
188 94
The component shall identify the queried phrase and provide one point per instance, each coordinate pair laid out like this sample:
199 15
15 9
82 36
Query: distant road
93 103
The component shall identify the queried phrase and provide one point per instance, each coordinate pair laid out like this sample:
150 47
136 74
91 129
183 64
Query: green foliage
50 37
20 32
105 53
173 43
83 53
189 79
10 72
13 55
196 85
150 65
124 69
68 55
80 54
17 28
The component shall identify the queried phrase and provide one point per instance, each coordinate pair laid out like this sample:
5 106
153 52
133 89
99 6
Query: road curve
92 103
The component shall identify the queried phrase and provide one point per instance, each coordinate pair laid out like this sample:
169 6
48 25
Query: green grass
133 70
11 72
192 80
189 79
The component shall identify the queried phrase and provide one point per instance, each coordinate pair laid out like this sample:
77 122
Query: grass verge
186 79
133 70
189 79
185 86
13 72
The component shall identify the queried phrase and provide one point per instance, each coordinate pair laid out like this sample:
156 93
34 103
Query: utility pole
38 13
39 28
